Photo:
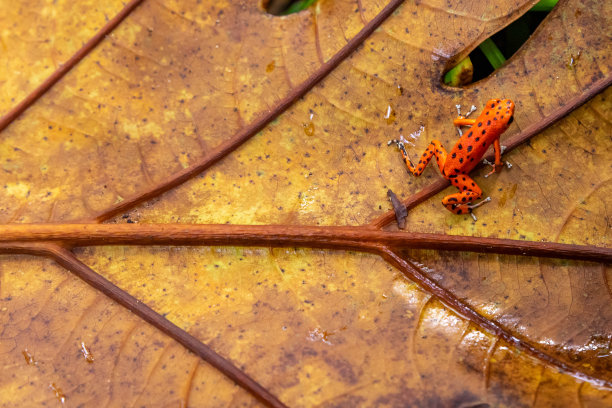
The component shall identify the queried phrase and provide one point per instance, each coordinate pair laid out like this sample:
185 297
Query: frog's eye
511 120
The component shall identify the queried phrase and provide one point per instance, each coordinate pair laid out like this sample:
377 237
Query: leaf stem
352 238
67 259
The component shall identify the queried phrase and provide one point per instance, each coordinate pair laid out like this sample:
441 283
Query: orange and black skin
467 152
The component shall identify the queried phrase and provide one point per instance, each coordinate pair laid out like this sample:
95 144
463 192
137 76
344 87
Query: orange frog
467 152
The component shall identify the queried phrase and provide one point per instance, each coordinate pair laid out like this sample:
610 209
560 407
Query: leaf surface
383 326
31 52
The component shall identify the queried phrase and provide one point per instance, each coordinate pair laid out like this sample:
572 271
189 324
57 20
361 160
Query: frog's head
501 112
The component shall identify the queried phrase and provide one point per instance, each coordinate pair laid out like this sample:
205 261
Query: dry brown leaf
329 327
39 36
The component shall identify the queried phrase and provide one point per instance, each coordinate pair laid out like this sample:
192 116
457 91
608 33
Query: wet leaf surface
314 326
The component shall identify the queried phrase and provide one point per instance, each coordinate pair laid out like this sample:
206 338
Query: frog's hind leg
434 149
459 203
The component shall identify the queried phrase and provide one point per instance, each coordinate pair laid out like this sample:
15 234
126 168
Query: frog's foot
472 109
471 207
495 168
502 150
401 144
488 163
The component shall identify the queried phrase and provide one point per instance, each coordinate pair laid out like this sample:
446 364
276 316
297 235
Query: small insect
29 358
86 353
59 394
400 209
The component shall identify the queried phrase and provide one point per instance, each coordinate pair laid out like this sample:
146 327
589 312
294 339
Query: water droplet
390 115
270 67
29 358
309 128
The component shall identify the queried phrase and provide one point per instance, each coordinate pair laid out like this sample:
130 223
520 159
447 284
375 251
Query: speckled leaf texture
218 114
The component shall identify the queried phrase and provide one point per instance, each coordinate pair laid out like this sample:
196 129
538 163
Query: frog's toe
486 200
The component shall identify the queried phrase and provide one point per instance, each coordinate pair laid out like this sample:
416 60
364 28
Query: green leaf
493 54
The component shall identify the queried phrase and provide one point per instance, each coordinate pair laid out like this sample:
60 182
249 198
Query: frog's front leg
460 203
461 121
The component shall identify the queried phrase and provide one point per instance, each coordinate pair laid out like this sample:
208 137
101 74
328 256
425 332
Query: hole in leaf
495 50
285 7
